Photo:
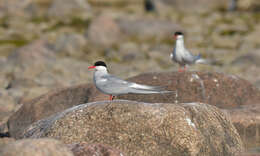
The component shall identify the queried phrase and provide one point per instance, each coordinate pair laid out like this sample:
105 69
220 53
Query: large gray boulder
137 128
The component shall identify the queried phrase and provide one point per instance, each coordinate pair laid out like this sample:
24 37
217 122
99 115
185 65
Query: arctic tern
112 85
182 56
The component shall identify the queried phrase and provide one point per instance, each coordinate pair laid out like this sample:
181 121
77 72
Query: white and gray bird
112 85
182 56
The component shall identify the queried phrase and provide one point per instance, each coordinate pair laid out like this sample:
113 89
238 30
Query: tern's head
178 35
99 65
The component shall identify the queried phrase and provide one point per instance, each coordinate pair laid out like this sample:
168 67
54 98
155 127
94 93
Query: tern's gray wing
188 57
116 86
113 85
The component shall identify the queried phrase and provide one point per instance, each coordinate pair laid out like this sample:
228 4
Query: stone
144 28
5 140
137 128
67 9
85 149
196 6
104 31
252 5
69 44
251 59
25 56
223 91
35 147
246 119
7 105
35 69
46 105
24 8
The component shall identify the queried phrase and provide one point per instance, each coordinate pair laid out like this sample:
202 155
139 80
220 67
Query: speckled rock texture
85 149
47 105
246 119
35 147
221 90
137 128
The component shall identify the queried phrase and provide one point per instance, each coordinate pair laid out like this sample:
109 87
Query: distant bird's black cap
100 63
178 33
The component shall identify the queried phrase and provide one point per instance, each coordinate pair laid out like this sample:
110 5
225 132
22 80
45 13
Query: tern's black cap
178 33
100 63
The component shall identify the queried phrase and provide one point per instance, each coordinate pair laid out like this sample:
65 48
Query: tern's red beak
175 37
91 67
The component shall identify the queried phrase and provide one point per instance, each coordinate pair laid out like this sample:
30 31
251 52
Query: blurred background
45 44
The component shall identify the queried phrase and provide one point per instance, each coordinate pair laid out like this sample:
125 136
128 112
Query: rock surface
144 129
32 70
147 28
85 149
5 140
104 31
223 91
67 9
246 119
232 37
35 147
25 8
47 105
197 6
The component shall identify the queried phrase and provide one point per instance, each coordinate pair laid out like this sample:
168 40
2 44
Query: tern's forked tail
145 89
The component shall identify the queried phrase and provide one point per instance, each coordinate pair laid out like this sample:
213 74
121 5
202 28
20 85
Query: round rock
137 128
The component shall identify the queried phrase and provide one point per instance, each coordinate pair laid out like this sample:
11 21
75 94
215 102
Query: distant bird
182 56
149 5
111 85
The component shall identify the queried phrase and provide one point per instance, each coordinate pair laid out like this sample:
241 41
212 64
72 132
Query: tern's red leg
180 69
111 97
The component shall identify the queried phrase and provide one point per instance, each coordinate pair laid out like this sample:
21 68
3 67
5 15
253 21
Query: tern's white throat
101 68
180 42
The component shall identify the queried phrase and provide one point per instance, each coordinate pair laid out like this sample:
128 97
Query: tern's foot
111 97
182 70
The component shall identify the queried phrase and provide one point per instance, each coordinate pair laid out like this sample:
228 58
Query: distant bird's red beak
91 67
175 37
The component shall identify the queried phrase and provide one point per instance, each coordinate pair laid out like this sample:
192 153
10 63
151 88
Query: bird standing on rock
182 56
111 85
